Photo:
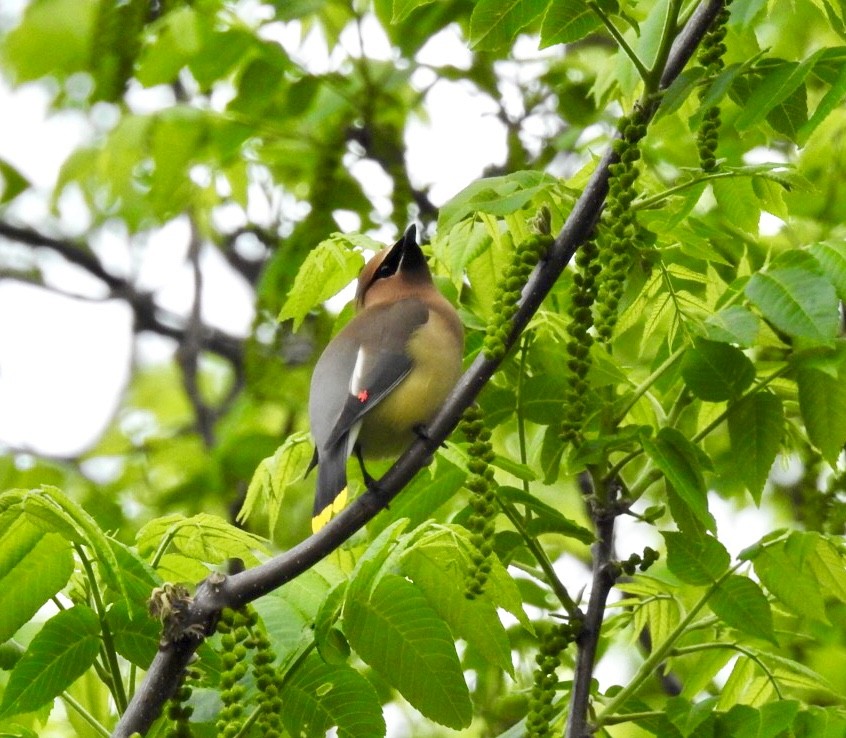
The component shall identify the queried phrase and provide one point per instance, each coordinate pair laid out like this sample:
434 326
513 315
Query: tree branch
164 674
148 316
188 353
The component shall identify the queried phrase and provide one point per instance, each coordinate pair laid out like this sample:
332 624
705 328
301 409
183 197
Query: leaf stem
108 650
668 36
521 420
71 701
647 203
723 415
684 650
644 386
540 556
642 71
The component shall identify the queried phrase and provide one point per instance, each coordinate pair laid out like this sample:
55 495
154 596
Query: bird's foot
376 490
421 430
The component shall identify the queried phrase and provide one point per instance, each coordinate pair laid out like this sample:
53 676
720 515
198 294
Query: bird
382 378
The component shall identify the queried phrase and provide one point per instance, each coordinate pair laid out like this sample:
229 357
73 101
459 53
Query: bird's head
395 272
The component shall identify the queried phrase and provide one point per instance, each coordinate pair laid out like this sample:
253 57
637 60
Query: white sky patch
461 137
33 141
48 401
446 47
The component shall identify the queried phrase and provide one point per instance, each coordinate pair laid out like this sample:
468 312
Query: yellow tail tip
330 511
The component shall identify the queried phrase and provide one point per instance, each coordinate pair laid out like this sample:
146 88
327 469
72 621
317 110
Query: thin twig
188 353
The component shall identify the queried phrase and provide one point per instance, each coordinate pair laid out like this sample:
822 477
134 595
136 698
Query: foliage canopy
685 375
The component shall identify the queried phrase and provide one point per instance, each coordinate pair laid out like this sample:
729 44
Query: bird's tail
330 496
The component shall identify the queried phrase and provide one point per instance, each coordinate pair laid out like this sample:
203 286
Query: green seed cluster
480 482
234 627
541 710
179 711
636 561
510 287
618 231
582 298
269 683
711 53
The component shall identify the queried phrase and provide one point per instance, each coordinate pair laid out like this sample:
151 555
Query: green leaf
24 549
319 696
379 557
741 604
198 541
12 182
54 38
755 425
681 463
541 398
426 493
799 302
274 475
771 720
177 40
741 721
398 633
54 511
567 21
820 722
822 402
501 590
404 8
773 89
771 196
738 683
828 567
495 195
738 203
784 573
464 242
832 258
696 559
136 635
60 653
793 675
547 519
734 324
495 24
328 268
331 644
687 717
438 566
830 102
716 371
289 612
702 668
777 717
138 576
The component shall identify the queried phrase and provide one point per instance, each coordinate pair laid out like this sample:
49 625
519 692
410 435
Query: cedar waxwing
386 374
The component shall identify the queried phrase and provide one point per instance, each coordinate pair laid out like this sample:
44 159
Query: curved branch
148 315
164 674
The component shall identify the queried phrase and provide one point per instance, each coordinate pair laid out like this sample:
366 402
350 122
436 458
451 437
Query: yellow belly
388 429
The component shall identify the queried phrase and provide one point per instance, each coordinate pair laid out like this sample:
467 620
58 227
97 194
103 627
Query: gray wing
360 367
